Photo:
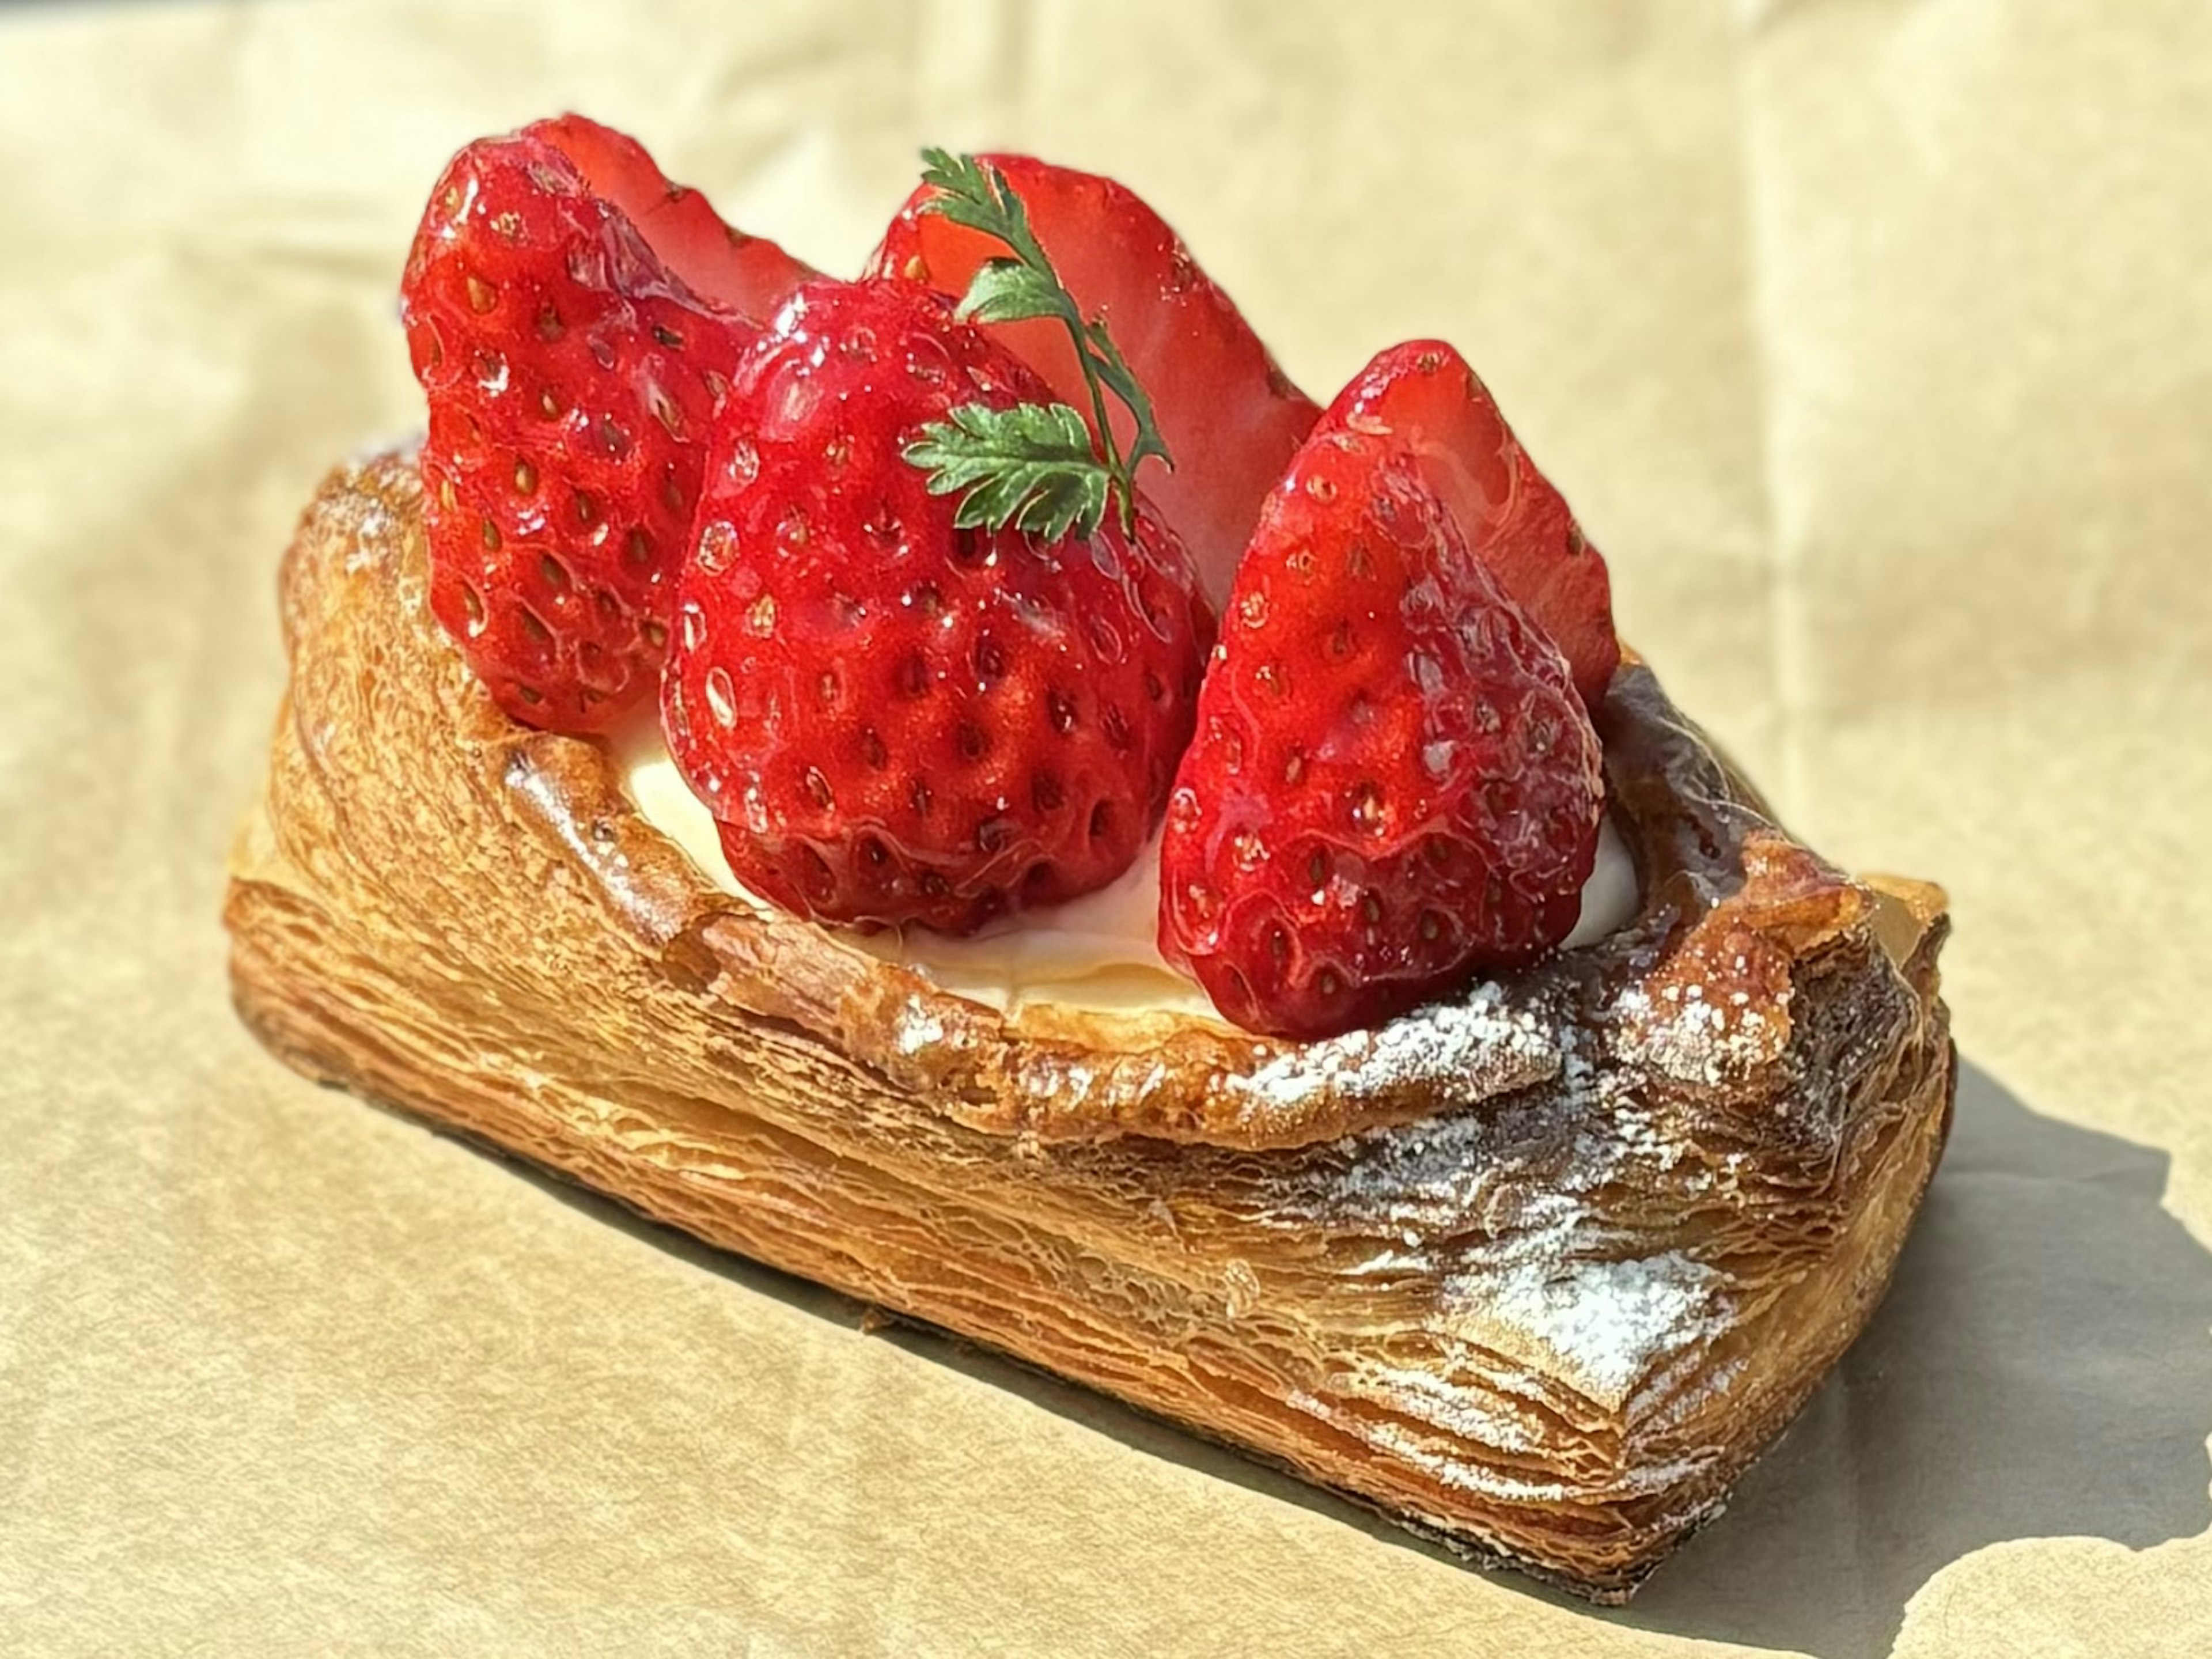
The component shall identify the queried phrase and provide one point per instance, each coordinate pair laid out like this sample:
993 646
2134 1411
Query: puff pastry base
1538 1274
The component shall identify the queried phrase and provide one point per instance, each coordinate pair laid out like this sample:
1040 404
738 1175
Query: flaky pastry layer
1538 1272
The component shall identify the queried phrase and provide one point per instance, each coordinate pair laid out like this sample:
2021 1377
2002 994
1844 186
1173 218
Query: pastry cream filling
1098 953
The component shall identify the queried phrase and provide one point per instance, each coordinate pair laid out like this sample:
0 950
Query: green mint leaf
1008 291
1032 467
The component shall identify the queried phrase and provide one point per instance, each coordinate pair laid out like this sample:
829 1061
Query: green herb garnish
1033 466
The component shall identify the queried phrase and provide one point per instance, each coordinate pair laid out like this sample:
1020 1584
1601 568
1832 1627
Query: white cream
1097 953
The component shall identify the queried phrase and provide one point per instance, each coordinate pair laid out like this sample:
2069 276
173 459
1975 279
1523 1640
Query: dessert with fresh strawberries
922 577
966 784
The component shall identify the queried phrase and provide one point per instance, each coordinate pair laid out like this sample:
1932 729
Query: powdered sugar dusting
917 1029
1608 1322
1482 1043
1503 1205
1687 1034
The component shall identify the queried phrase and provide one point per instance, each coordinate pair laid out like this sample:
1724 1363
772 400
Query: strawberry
1393 784
572 370
900 709
1223 404
1423 395
718 262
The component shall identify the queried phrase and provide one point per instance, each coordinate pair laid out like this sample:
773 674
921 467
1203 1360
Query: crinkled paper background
1873 342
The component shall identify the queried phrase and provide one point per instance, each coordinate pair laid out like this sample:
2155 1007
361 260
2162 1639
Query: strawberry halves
749 276
895 718
574 319
1393 784
1423 396
1230 418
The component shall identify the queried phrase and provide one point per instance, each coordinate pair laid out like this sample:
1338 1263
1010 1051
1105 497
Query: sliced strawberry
895 719
1230 418
718 262
1393 785
571 375
1423 395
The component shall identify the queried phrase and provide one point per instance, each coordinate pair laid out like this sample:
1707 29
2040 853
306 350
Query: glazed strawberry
572 370
1423 394
1224 409
898 717
1393 784
718 262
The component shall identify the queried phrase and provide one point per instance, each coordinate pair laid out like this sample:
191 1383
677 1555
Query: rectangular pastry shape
1538 1275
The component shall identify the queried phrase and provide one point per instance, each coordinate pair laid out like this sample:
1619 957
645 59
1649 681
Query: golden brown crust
1540 1272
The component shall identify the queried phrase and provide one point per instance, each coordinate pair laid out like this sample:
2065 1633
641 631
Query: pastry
1536 1266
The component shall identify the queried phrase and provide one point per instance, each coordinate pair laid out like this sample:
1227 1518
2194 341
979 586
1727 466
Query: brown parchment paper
1873 342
